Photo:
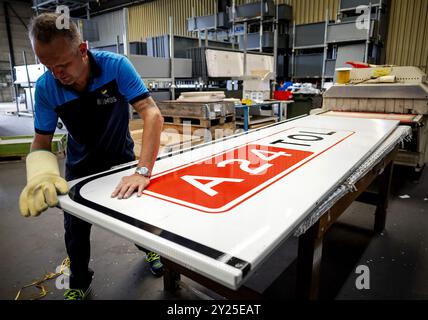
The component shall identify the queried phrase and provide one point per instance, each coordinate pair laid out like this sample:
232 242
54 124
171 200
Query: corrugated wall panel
309 11
408 34
151 19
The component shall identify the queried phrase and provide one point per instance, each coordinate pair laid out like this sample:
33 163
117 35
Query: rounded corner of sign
219 210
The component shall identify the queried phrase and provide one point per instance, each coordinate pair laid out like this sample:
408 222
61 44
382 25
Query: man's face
66 62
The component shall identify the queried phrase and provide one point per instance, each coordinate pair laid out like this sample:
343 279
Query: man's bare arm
42 142
153 122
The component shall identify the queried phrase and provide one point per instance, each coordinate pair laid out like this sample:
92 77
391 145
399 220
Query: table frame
282 110
310 243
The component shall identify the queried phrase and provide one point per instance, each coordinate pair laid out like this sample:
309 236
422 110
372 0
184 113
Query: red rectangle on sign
221 182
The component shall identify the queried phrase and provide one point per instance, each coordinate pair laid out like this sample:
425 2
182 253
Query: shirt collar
95 69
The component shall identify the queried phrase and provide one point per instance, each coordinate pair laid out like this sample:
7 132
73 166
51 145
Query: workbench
282 111
217 211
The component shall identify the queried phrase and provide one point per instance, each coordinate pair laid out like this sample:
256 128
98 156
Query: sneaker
156 266
80 294
77 294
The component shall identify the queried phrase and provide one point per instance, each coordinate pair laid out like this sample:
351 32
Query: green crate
19 146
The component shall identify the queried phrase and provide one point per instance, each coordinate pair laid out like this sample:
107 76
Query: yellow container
343 75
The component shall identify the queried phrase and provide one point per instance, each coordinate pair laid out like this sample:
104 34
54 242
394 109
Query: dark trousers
77 243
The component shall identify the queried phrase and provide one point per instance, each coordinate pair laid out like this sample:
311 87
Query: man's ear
83 48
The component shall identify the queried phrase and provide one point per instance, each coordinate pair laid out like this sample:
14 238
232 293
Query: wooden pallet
198 122
170 141
135 124
255 122
221 130
215 132
203 110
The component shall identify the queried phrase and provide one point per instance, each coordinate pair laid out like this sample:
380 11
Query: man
90 92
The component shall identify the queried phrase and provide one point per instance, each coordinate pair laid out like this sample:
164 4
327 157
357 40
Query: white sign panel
222 208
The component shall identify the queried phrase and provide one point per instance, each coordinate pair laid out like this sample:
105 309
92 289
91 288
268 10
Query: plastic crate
283 95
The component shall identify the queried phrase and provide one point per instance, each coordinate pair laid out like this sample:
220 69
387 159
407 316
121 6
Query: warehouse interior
227 73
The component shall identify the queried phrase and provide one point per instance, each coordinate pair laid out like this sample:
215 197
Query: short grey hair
43 28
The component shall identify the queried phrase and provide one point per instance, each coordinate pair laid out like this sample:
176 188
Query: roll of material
385 79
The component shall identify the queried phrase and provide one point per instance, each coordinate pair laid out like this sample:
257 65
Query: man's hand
43 184
130 184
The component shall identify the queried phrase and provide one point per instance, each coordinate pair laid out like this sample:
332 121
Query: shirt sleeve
45 117
130 83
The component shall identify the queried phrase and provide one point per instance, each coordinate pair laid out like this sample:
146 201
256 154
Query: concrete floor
397 259
25 124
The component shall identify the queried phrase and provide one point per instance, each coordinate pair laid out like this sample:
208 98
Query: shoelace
152 256
74 294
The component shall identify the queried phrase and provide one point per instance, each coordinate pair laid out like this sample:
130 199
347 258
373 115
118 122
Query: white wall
110 25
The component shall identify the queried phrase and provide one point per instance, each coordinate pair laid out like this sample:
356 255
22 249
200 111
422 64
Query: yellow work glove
43 184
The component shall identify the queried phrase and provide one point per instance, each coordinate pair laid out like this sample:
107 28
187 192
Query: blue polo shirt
97 119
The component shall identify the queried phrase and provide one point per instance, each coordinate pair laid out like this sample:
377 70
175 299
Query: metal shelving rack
214 23
201 27
309 51
250 15
272 24
348 42
319 48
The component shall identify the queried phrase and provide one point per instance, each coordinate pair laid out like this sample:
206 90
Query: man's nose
57 71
